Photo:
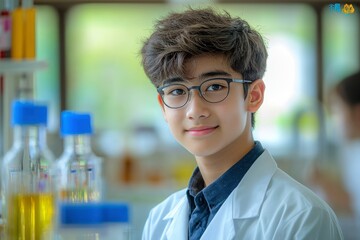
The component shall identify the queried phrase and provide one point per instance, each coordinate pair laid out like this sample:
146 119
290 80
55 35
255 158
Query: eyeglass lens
213 91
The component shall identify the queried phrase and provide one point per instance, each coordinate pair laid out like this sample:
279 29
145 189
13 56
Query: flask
78 170
116 221
27 194
80 221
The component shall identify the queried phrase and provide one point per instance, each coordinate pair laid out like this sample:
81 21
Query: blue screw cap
116 212
80 213
26 112
75 123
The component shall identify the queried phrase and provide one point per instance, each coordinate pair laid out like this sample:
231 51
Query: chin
201 152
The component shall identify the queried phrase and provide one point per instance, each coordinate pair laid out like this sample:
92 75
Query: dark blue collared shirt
206 201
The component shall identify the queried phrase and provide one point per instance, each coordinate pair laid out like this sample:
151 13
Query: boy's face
204 128
346 119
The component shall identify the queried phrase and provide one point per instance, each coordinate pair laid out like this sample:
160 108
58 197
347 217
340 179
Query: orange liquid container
23 32
29 33
17 45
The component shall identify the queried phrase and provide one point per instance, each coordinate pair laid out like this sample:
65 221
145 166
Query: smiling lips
201 131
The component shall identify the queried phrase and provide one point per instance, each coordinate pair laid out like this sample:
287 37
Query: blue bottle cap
75 123
116 212
25 112
80 213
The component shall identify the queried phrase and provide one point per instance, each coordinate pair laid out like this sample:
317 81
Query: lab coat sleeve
316 223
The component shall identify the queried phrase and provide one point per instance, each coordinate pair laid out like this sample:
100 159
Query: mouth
201 131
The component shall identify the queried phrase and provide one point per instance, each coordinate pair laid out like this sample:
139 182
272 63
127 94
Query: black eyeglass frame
198 87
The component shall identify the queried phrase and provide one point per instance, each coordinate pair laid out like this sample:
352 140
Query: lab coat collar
251 191
244 202
178 217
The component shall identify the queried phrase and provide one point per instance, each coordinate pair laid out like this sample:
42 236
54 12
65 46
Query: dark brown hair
349 89
181 36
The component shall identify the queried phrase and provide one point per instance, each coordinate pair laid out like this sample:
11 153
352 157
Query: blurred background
92 53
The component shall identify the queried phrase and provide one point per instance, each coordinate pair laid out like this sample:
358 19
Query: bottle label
5 33
91 172
20 181
81 185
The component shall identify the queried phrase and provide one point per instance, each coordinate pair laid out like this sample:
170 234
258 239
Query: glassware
116 221
78 170
27 190
80 221
93 221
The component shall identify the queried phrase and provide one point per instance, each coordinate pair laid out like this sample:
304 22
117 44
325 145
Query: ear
255 95
161 103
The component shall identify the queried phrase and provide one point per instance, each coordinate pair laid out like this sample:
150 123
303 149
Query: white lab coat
267 204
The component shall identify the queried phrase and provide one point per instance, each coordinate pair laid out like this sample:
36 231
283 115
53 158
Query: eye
177 92
215 87
174 91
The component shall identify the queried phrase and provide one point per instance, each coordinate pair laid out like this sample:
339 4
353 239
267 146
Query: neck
213 166
34 136
78 144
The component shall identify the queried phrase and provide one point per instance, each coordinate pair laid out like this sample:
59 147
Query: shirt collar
218 191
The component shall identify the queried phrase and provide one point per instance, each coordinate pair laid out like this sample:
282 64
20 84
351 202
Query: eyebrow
216 73
172 80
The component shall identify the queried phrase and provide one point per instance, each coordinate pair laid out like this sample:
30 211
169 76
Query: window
47 81
104 59
341 45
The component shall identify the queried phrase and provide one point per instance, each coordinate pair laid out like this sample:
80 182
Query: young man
207 68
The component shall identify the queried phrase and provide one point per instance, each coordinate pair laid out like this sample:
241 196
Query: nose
197 106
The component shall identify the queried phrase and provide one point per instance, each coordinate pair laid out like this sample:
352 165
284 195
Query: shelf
7 66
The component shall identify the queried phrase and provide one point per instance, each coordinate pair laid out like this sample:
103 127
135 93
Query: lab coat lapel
250 193
244 202
178 221
222 225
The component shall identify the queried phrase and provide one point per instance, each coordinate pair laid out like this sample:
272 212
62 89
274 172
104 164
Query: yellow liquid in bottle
30 216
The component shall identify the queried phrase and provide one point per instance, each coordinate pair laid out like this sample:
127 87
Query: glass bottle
116 221
87 221
78 170
80 221
27 190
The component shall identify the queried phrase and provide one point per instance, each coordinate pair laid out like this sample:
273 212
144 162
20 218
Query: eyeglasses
213 90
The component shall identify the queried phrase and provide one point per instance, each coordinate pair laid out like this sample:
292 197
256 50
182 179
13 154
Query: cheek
237 121
342 124
174 120
234 116
349 125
